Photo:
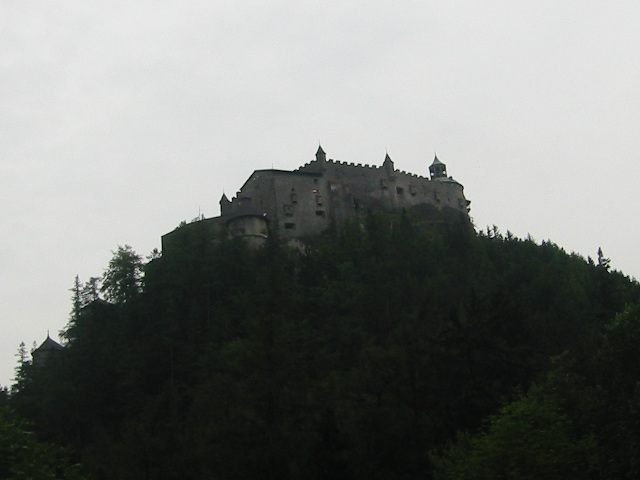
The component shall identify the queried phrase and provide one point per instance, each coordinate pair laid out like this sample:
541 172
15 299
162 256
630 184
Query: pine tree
122 280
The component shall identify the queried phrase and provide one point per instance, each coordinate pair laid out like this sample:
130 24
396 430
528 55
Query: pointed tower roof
45 351
388 163
436 161
49 344
225 204
321 156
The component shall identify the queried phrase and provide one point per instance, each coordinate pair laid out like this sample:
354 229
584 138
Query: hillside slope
353 359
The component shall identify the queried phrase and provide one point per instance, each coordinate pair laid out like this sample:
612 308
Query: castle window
412 190
384 183
320 213
319 200
400 190
315 181
294 197
288 210
289 226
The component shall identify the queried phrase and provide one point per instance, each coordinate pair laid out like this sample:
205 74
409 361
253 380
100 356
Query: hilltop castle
323 194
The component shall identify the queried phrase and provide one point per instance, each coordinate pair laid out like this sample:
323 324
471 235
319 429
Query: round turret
437 170
253 228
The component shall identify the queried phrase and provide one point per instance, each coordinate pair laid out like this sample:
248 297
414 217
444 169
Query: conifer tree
122 280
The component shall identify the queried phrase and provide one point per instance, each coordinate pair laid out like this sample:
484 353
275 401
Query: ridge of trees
405 347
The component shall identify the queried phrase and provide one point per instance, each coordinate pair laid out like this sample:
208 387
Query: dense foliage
23 457
391 350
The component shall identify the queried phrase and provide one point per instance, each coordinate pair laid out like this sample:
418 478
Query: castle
318 197
321 195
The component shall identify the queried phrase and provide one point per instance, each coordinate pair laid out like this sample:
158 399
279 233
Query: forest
406 346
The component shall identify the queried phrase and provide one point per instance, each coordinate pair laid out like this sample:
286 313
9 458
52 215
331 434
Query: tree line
406 346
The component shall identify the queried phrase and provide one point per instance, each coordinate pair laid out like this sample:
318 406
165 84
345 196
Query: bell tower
437 169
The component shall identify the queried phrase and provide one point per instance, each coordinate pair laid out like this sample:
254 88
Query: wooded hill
392 350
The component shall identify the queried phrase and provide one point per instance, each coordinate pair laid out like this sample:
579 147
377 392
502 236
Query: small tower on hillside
437 169
320 155
45 351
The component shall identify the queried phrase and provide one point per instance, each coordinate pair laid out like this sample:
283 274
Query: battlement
338 162
320 165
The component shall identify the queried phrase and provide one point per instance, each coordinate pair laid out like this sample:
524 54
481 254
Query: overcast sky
120 119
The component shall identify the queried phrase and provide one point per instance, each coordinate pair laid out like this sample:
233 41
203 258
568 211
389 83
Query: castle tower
44 352
320 155
437 169
388 164
224 204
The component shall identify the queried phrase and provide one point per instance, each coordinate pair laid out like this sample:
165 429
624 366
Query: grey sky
120 119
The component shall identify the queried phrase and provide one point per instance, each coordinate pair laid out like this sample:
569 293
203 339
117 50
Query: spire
388 163
320 155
